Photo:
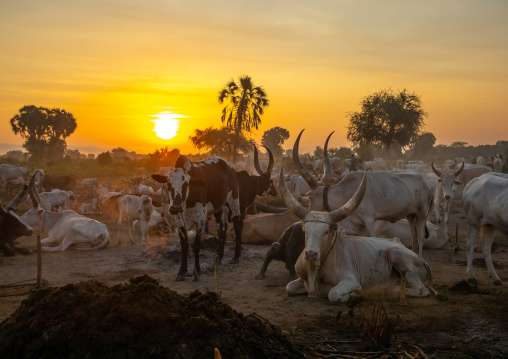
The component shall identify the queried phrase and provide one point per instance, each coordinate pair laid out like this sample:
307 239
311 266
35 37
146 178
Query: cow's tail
105 236
429 277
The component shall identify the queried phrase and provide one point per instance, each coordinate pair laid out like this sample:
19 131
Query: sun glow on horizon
166 124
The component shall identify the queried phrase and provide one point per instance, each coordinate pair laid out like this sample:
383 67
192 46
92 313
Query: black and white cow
12 227
197 190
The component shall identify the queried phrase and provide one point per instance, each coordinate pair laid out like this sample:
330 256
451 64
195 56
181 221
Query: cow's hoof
180 278
472 281
196 278
498 282
234 261
260 275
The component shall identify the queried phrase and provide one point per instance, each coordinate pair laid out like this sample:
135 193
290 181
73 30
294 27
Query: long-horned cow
445 189
13 227
485 200
390 196
341 264
64 228
197 190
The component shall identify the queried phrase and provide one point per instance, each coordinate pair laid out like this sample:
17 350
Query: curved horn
31 186
256 162
270 162
353 203
300 168
289 200
328 167
435 170
456 173
15 201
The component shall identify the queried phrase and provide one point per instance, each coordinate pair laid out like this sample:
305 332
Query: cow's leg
238 225
343 290
437 204
119 223
222 227
420 231
48 240
196 246
184 244
470 243
274 249
296 287
144 228
129 229
411 219
487 239
67 241
296 239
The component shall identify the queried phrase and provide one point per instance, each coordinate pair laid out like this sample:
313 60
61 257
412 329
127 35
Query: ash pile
141 319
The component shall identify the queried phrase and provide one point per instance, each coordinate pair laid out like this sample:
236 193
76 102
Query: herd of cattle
341 231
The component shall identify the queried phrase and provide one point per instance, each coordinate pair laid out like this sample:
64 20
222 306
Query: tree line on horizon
389 124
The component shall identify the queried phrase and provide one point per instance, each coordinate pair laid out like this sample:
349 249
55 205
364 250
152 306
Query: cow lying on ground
94 207
13 227
292 241
342 264
133 207
485 200
64 228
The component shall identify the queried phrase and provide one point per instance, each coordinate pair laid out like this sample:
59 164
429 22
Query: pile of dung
137 320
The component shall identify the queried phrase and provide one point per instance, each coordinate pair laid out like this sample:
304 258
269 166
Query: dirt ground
461 321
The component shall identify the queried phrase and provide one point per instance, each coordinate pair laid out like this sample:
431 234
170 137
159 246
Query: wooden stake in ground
39 260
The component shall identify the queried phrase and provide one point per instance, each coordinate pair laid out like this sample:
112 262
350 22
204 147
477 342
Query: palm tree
245 104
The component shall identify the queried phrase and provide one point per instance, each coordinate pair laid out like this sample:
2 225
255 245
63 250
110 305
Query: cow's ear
439 180
458 183
197 182
159 178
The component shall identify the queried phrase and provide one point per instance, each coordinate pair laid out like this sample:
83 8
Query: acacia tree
245 104
423 144
44 130
387 117
274 138
221 141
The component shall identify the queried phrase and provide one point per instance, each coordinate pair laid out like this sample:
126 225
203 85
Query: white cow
342 264
381 164
445 189
133 207
55 200
485 199
449 164
64 228
141 189
483 161
298 186
8 172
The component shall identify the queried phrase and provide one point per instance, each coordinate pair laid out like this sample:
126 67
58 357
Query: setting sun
166 125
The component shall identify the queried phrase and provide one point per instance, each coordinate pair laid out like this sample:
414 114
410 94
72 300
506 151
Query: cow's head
179 184
320 227
449 181
145 206
34 217
265 183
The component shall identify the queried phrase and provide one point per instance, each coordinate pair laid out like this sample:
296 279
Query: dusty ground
453 324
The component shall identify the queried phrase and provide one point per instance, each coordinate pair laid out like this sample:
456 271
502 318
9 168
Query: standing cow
197 190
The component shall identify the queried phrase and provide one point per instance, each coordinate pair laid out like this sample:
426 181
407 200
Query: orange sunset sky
115 64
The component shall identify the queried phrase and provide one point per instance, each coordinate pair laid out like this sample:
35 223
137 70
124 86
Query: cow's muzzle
311 256
447 196
175 209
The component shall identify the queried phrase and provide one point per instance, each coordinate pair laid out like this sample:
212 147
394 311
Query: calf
64 228
133 207
93 207
55 200
13 227
343 264
196 191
